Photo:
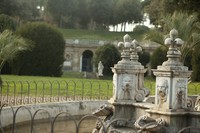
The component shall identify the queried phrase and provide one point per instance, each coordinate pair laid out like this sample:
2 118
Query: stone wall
78 108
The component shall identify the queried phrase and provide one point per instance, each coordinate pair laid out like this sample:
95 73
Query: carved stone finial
125 46
130 49
173 53
135 48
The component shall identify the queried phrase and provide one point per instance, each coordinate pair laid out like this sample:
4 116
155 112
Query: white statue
100 68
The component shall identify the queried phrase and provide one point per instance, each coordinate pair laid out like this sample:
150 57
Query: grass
70 84
97 34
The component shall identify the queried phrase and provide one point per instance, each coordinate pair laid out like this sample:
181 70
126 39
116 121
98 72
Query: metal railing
32 92
76 125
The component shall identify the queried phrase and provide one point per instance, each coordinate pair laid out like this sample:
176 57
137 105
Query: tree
47 57
188 30
109 55
20 9
129 11
144 58
158 57
101 11
7 22
9 7
154 9
82 14
10 46
158 9
62 12
196 64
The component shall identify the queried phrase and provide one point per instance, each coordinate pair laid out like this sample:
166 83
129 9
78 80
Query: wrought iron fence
31 92
53 124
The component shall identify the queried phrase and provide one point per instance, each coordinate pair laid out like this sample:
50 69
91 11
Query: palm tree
187 26
11 45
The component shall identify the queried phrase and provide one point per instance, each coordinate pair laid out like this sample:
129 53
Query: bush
140 29
7 22
109 55
196 64
144 58
158 57
46 58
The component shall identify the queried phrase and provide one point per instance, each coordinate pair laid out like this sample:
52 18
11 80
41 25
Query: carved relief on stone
197 104
139 97
145 123
190 103
180 94
68 56
126 90
114 85
162 91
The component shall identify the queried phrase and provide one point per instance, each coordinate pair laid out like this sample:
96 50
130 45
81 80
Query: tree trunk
124 26
121 26
60 21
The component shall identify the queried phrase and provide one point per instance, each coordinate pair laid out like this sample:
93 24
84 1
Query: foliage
109 55
47 57
7 22
10 46
141 29
129 11
7 5
154 9
189 6
100 11
158 57
93 14
82 13
144 58
20 9
196 64
62 12
188 28
158 9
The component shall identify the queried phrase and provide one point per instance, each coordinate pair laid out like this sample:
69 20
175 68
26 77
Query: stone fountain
129 113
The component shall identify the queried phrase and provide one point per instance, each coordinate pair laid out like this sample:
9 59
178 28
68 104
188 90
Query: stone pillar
128 80
172 78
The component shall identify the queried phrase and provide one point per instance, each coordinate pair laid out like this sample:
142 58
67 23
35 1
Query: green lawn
97 34
70 84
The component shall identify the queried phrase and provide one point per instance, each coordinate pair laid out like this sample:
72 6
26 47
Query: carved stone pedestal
122 130
172 78
176 121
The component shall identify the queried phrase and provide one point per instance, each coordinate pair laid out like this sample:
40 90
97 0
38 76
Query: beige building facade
79 54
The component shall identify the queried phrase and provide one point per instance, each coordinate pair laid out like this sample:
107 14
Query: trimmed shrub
144 58
158 57
109 55
140 29
47 57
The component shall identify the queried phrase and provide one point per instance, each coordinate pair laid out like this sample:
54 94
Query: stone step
90 75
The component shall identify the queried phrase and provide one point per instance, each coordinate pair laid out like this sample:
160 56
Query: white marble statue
100 68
